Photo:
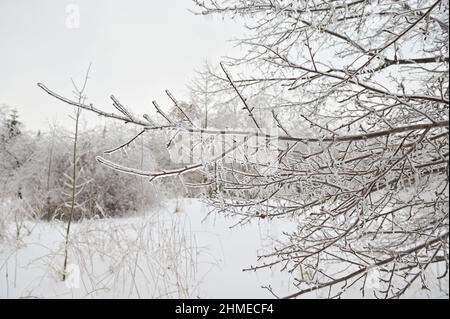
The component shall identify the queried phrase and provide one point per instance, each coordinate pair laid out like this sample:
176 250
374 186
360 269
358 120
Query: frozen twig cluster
363 146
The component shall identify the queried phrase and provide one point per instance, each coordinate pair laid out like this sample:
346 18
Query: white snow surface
164 253
175 250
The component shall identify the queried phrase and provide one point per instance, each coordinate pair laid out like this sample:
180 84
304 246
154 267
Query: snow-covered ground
166 252
172 251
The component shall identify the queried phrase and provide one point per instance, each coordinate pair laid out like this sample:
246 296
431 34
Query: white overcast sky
138 48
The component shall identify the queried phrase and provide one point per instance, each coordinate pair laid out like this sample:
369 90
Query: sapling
81 99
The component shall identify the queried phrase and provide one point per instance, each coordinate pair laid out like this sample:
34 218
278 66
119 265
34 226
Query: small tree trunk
74 191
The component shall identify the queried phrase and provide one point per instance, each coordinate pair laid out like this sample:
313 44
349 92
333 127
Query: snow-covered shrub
39 174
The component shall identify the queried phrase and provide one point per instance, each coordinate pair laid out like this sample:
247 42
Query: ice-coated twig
175 102
125 144
121 108
159 111
244 101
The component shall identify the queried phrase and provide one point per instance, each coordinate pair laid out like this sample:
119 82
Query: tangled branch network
360 101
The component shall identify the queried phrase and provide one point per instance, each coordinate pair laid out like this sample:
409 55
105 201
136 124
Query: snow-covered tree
360 102
12 125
